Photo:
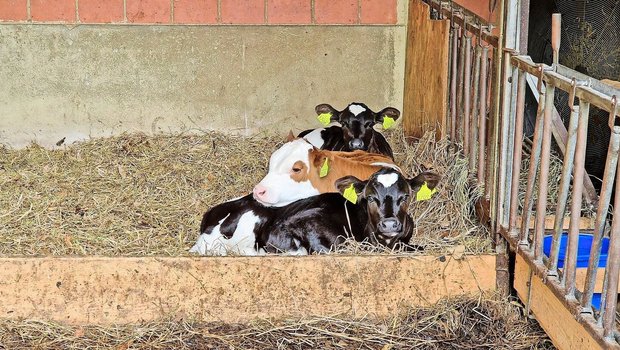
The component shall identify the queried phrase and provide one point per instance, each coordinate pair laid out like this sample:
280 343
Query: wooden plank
584 223
425 101
554 318
101 290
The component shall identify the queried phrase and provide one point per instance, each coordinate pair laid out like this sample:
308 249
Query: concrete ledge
101 290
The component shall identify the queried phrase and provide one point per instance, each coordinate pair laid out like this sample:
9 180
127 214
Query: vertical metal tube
601 214
531 175
518 149
474 111
570 264
461 83
556 26
612 270
482 117
466 94
453 74
567 168
545 156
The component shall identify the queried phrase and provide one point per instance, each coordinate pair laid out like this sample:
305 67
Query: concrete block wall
89 68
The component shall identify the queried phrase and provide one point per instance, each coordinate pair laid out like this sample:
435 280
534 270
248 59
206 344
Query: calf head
386 196
357 122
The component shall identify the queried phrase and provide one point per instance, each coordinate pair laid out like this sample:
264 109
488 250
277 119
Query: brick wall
294 12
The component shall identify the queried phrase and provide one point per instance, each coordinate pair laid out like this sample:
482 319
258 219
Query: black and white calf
318 223
356 131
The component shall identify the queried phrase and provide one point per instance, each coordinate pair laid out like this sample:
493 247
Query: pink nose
260 192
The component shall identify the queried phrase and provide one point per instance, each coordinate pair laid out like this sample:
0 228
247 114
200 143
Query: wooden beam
98 290
557 321
585 223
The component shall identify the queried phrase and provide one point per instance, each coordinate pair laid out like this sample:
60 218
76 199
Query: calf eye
368 124
296 170
402 199
372 199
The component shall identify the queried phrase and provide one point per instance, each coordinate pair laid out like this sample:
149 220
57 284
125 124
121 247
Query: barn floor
138 195
450 324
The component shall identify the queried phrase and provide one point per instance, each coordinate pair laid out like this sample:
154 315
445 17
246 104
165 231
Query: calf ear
290 137
430 178
325 111
343 183
387 116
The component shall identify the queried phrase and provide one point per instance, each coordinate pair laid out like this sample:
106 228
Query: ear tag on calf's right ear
325 118
350 194
324 168
424 193
388 122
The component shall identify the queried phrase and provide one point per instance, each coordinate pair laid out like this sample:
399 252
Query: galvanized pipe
460 78
474 110
543 183
482 117
454 39
601 215
567 168
466 93
570 263
612 269
531 174
517 152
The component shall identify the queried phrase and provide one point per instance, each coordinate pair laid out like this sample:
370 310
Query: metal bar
541 204
523 31
612 269
474 111
601 214
454 40
466 94
531 175
484 60
460 83
587 93
574 138
556 23
554 286
517 152
460 15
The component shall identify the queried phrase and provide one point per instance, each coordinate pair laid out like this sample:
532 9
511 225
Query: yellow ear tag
350 194
424 193
325 118
387 122
324 169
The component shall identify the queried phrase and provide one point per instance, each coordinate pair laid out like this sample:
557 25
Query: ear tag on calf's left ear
388 122
324 168
325 118
424 193
350 194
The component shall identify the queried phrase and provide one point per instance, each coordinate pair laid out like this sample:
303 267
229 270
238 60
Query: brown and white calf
356 130
319 223
299 170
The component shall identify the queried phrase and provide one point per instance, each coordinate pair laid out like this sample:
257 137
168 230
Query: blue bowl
583 249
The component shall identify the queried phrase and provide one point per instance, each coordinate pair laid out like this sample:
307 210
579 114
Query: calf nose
390 225
356 144
259 191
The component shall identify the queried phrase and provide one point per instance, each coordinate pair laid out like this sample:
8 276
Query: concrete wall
71 76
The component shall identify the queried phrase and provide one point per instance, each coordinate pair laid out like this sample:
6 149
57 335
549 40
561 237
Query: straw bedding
450 324
139 195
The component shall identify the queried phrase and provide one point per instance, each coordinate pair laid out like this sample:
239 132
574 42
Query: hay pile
138 195
450 324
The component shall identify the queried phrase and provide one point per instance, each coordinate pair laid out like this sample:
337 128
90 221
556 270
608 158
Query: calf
299 170
319 223
356 131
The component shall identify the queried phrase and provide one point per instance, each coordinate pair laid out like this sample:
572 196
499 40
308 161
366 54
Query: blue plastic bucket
583 249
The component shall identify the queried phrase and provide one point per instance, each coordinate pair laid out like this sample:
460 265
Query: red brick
100 11
243 11
53 10
378 11
289 11
195 11
148 11
335 11
13 10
